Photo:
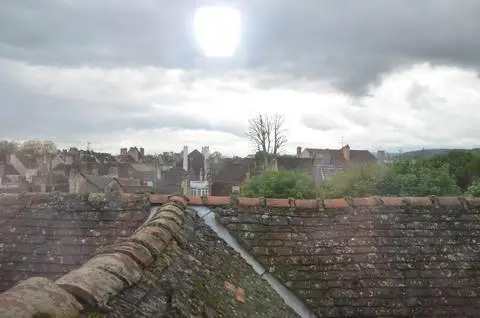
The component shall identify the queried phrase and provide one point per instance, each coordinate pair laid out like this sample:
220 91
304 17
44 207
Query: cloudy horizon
116 74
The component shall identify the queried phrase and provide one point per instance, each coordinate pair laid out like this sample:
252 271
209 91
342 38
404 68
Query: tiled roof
171 266
229 170
28 161
99 181
126 182
294 163
336 157
10 170
143 167
352 257
171 180
49 234
368 256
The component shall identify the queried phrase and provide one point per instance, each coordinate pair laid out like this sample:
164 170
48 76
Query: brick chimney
346 152
206 167
299 151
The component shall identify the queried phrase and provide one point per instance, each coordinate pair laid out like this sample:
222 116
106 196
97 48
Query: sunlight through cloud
217 30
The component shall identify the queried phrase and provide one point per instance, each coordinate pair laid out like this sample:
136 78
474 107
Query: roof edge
428 201
213 201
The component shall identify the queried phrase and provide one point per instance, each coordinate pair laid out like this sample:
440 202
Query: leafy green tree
464 166
421 181
473 190
282 184
403 178
358 181
418 178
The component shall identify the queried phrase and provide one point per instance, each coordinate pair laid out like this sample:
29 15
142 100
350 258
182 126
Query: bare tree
267 135
8 146
279 137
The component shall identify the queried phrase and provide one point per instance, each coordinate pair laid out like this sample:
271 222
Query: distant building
81 183
228 174
327 162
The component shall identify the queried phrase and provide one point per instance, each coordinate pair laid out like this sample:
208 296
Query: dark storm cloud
349 42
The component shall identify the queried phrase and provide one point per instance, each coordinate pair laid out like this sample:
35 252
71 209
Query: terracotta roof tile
38 295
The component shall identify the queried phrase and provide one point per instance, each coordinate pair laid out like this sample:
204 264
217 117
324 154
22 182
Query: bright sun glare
217 30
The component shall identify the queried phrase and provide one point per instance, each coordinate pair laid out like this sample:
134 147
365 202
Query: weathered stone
136 251
93 285
169 216
167 224
189 280
38 297
174 208
118 264
152 237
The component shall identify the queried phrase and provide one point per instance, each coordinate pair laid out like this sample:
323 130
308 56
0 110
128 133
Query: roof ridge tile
426 201
105 274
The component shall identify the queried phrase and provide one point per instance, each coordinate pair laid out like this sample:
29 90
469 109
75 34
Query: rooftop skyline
381 75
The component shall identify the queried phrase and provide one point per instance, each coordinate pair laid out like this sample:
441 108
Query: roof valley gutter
292 300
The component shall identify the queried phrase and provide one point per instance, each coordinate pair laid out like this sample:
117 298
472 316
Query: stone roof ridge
348 202
103 276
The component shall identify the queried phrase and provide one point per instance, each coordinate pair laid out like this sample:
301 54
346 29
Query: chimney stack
206 168
299 151
185 158
346 152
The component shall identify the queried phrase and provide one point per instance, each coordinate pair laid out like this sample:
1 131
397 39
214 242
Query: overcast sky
379 74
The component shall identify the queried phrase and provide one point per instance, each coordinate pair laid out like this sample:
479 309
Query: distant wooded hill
433 152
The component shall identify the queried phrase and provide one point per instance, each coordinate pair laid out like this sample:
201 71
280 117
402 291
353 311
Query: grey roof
99 181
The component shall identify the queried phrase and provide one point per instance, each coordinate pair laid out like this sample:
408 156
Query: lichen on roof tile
369 256
173 265
189 279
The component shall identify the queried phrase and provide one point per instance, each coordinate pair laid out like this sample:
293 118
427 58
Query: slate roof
395 257
355 257
171 180
171 266
230 170
294 163
49 234
143 167
99 181
28 161
335 156
10 170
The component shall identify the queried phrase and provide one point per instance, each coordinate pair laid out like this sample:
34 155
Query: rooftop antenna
341 142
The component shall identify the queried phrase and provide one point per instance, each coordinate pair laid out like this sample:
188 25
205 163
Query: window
199 192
